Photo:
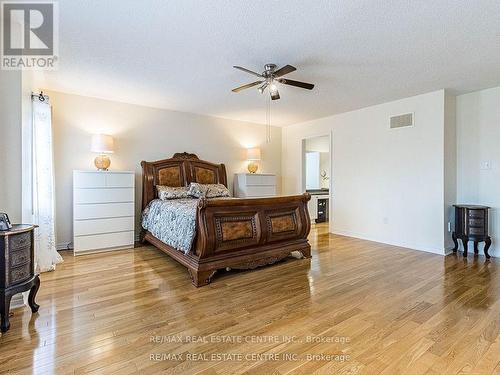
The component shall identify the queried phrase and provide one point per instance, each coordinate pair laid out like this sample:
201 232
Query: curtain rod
40 96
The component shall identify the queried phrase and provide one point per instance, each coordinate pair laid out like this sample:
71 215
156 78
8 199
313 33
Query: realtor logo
29 35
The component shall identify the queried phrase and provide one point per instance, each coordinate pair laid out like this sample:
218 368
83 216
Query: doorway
316 176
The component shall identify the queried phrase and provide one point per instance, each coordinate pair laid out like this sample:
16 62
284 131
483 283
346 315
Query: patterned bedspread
172 221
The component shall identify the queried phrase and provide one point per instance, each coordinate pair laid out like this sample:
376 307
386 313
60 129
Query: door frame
328 133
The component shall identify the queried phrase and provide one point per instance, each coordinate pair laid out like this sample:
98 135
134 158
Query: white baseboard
419 247
448 251
64 246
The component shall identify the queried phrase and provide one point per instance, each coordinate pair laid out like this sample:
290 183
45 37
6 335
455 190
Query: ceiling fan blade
248 71
302 85
284 70
247 86
275 95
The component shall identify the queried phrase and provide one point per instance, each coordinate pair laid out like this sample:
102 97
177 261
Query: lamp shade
102 144
253 153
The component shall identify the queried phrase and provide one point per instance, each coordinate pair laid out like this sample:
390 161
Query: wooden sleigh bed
235 233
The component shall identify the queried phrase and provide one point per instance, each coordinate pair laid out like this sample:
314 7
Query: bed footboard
248 233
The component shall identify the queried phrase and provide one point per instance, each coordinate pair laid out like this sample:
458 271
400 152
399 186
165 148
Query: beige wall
143 133
10 144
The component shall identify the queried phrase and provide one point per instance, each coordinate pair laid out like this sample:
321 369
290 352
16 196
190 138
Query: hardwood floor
380 309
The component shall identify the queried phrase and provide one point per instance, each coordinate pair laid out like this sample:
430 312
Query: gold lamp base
253 167
102 162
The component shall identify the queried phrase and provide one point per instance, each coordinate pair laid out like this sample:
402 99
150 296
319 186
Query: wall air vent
402 121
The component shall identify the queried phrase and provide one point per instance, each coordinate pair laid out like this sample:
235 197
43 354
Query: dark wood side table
471 224
17 269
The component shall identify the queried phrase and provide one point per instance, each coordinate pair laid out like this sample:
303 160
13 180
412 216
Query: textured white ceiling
179 54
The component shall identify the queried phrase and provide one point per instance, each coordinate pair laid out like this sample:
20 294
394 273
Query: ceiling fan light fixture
263 87
269 78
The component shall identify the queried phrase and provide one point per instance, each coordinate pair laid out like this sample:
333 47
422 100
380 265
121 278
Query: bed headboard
180 170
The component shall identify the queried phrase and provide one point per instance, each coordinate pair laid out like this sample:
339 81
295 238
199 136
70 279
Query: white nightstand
254 185
103 211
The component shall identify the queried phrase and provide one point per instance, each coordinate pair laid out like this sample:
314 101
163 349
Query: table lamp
102 144
253 154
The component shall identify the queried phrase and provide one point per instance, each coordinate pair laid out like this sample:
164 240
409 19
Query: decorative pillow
197 190
208 190
217 190
171 192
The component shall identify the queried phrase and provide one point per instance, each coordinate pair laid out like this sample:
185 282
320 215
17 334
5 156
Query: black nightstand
17 268
471 224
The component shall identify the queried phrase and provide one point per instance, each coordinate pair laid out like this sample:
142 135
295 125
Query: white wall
320 144
478 135
388 185
406 176
10 150
10 144
143 133
450 168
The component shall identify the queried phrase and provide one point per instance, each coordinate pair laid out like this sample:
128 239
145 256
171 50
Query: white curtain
43 205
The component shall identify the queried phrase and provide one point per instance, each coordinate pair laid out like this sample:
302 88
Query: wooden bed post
201 278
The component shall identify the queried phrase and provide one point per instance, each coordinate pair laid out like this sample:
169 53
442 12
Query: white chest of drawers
103 211
253 185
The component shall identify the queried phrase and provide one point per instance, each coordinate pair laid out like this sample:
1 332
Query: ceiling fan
269 77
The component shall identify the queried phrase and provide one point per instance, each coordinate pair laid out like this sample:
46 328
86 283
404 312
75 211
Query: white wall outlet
485 165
